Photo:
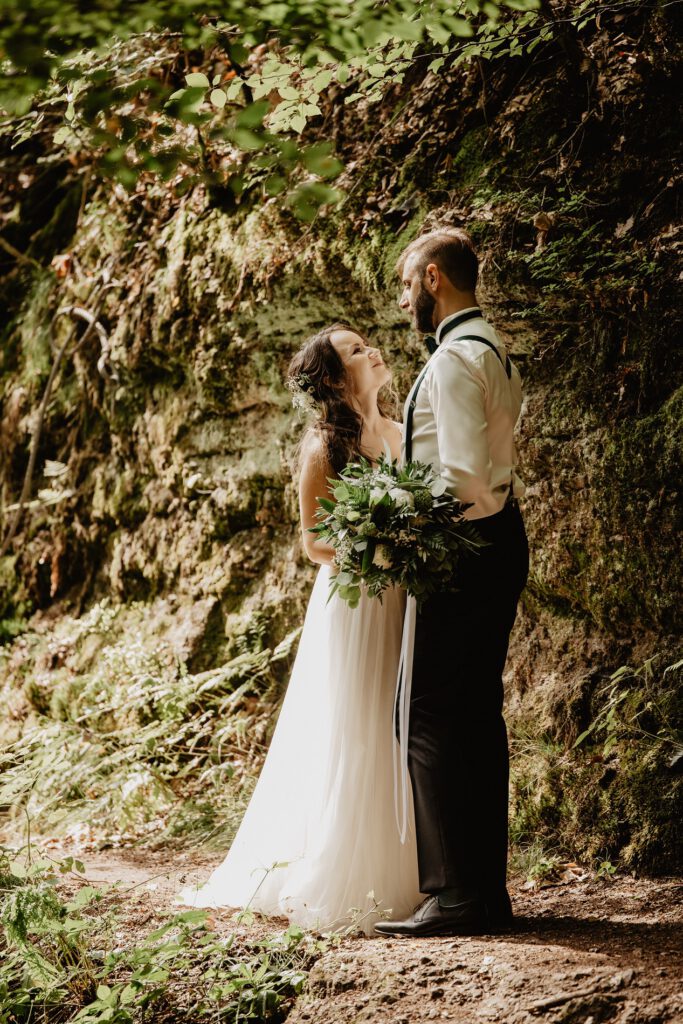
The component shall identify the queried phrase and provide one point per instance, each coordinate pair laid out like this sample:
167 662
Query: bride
318 843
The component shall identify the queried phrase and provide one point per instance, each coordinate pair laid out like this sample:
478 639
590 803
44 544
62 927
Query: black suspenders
409 415
418 383
476 337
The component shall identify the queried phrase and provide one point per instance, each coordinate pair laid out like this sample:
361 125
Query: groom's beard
424 307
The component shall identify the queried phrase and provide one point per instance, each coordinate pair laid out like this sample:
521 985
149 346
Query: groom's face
415 298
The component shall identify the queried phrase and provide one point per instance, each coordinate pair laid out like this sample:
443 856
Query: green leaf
197 80
61 135
239 52
236 184
103 992
247 140
368 556
252 116
437 31
579 740
191 917
318 160
83 897
219 98
128 995
186 101
309 197
235 88
459 26
322 80
160 974
275 185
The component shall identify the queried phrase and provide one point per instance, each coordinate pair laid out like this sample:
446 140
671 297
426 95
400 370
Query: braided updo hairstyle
338 424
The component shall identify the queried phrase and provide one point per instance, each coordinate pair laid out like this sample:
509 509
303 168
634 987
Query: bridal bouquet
393 524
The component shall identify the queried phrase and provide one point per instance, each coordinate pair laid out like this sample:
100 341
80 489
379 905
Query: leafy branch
632 707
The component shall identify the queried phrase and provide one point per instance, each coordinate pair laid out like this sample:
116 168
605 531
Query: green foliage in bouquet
394 525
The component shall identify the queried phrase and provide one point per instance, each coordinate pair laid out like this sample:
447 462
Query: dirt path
585 952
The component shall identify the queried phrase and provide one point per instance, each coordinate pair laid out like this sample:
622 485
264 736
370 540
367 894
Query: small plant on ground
62 961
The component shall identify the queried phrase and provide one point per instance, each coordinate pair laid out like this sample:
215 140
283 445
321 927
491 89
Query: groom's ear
432 278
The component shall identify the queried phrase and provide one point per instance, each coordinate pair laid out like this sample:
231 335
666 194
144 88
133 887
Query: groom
460 417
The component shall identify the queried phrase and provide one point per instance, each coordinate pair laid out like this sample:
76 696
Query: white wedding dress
319 843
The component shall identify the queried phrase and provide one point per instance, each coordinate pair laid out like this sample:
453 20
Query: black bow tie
462 318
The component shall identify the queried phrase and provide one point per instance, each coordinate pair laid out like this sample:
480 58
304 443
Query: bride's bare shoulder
313 450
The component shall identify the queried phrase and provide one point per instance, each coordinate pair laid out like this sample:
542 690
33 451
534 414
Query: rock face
177 443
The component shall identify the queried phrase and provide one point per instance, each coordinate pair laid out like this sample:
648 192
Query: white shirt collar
453 316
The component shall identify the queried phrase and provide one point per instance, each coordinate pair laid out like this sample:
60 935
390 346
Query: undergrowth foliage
598 794
62 960
137 743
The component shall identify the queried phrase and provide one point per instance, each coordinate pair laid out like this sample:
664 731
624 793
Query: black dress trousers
457 742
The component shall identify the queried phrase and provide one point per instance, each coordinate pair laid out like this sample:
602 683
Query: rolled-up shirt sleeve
458 400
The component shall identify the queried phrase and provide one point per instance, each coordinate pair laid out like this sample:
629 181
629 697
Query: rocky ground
586 950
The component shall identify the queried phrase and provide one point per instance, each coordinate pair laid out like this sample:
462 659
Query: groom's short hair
453 252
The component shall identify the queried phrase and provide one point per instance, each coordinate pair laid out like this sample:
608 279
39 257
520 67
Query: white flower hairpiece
302 392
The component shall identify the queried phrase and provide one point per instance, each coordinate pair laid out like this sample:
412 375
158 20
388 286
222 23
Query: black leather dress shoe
430 918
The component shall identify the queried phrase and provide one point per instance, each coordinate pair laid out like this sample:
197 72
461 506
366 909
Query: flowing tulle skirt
319 843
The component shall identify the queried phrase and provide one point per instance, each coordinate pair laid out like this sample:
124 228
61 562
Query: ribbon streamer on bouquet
402 711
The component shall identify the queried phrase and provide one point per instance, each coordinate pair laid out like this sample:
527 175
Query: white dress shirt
465 415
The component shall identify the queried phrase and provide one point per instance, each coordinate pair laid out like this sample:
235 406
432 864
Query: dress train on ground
319 843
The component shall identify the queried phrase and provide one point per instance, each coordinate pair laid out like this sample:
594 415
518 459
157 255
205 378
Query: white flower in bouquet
402 498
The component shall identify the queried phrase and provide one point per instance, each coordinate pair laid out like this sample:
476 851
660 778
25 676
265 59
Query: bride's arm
315 470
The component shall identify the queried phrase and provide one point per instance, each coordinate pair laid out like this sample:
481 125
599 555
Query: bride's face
364 365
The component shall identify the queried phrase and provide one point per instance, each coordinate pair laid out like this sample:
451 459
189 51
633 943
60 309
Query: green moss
33 330
469 161
392 247
614 797
635 488
15 604
650 799
371 261
538 805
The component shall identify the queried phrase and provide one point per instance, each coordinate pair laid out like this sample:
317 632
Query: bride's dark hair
318 370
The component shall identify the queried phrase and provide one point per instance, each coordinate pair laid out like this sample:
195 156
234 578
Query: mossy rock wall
181 449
